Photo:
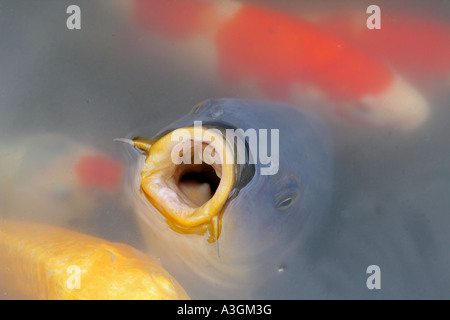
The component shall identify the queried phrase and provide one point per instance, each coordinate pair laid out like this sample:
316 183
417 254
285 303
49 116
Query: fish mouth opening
188 180
198 182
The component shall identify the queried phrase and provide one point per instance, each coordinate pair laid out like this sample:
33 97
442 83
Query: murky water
66 93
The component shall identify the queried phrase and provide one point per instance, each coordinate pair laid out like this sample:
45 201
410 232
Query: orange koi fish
285 57
44 262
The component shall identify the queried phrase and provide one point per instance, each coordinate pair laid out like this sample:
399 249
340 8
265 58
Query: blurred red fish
99 171
417 45
285 57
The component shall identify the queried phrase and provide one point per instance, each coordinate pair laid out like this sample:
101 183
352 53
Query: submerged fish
226 229
282 57
47 262
62 179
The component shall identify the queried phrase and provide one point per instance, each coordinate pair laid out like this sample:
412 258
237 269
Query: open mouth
189 180
197 182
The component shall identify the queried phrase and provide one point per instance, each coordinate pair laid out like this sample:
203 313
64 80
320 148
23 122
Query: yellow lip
191 191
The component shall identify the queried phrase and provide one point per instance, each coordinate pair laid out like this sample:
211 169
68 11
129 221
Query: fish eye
285 203
288 192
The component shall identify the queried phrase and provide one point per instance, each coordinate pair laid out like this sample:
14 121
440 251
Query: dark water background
391 191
